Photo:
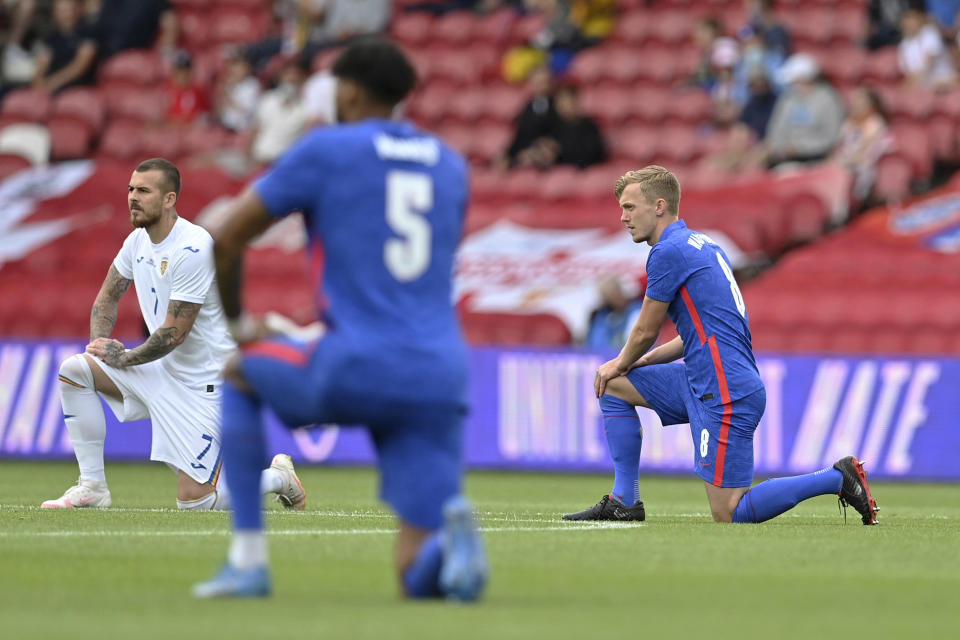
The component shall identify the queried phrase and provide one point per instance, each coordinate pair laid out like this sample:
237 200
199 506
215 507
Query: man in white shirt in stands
174 377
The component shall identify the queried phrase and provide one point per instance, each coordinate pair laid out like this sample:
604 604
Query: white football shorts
185 420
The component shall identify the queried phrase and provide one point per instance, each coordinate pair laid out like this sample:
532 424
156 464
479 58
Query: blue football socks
244 455
777 495
624 437
422 578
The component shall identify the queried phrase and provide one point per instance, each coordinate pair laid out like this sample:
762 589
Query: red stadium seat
894 173
638 144
560 183
194 29
204 139
610 105
454 28
912 141
134 104
11 164
650 104
28 105
671 27
589 66
692 106
467 105
412 29
235 26
882 67
121 141
633 27
504 103
490 142
69 139
134 67
525 28
82 104
162 143
494 28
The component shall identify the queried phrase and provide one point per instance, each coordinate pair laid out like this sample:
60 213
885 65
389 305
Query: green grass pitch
125 572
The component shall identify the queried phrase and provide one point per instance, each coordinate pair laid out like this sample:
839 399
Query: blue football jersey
691 272
384 204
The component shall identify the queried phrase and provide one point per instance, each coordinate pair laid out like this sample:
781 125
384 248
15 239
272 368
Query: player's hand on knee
106 349
607 372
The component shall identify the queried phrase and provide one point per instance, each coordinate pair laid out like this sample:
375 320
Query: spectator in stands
536 119
238 94
739 153
705 34
68 55
923 58
281 115
764 23
611 322
728 99
341 20
884 22
320 98
186 100
576 137
944 13
863 139
759 107
807 117
129 24
17 64
755 58
297 21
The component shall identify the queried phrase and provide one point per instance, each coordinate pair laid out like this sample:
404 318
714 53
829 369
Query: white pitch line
299 532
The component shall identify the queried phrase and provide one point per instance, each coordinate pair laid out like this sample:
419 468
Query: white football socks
270 482
84 417
248 549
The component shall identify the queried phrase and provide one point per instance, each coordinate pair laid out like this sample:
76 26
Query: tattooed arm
180 318
103 316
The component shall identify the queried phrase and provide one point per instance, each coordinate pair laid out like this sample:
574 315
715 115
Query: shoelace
842 504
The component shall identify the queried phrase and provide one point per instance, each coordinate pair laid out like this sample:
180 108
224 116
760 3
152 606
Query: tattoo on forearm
160 343
103 316
165 339
182 309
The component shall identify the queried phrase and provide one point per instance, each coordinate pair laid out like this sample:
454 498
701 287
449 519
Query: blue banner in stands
535 410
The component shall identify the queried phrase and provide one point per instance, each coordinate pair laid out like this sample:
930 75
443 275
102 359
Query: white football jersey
180 268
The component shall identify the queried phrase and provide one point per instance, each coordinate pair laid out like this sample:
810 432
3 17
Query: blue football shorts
722 434
419 445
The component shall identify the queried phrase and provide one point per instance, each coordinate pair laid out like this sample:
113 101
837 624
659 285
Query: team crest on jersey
163 266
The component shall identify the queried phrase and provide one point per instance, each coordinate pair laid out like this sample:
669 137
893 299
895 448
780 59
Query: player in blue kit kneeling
717 388
384 203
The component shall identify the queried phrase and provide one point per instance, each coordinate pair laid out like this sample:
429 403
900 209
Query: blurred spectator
537 117
68 54
863 139
739 153
344 19
17 64
554 45
307 26
759 107
763 22
320 98
884 22
186 100
594 19
923 58
282 115
238 94
611 322
806 119
133 24
756 58
297 21
705 34
944 12
577 138
727 97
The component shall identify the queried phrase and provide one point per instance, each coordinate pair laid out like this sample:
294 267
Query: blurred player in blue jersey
717 388
384 205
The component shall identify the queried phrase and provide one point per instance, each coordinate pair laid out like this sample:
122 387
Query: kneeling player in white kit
174 377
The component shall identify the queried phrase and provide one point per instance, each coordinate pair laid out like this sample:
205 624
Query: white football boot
85 494
292 495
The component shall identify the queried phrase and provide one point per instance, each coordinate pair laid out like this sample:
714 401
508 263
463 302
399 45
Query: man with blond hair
716 389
